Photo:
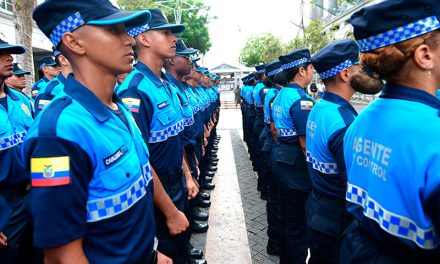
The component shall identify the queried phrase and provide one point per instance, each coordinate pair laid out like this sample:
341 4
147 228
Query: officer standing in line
272 247
56 85
156 108
243 106
90 169
15 119
258 93
291 108
49 69
394 171
250 119
326 126
18 79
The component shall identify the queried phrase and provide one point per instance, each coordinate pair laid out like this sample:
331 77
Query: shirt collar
8 91
140 66
45 79
334 98
87 99
61 78
174 81
398 91
293 85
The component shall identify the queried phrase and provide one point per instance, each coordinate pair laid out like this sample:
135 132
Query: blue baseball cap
294 58
181 48
201 69
158 21
56 17
335 58
194 59
11 49
391 22
46 61
19 71
261 68
273 68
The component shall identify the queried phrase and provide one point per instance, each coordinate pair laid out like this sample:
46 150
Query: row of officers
343 187
106 162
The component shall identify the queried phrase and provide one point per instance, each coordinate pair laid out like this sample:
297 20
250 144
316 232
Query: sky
239 19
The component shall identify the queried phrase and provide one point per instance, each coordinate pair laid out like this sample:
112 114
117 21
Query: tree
196 20
315 37
23 35
261 48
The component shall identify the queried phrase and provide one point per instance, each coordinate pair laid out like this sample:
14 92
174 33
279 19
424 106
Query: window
6 5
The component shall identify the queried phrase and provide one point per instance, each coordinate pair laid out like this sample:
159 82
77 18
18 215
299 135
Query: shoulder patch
51 171
25 109
132 104
42 103
306 105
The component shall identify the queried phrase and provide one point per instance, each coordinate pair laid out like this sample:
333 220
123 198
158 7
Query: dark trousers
272 207
175 247
19 231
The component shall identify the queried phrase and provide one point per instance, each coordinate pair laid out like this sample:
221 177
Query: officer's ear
73 42
345 75
144 39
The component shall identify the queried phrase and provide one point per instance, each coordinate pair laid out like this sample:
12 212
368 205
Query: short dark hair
291 72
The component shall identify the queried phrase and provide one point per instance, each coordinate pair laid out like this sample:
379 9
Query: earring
429 74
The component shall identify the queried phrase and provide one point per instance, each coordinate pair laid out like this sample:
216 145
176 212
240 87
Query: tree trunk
23 35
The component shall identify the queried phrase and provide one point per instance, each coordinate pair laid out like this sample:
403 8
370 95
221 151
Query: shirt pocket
27 121
121 173
167 116
286 154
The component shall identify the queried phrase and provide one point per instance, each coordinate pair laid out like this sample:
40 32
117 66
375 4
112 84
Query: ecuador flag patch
52 171
306 105
132 103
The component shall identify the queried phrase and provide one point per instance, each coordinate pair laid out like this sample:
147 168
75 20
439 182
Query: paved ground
237 217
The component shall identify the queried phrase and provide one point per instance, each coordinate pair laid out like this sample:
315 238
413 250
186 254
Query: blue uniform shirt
258 101
248 95
197 106
393 166
291 109
91 178
268 100
326 126
156 109
54 87
39 86
14 124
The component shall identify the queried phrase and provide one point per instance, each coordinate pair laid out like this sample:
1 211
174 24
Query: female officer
394 171
290 109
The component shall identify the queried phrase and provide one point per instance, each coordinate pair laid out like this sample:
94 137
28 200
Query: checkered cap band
324 167
394 224
274 72
138 30
294 63
67 25
286 132
100 209
12 140
333 71
399 34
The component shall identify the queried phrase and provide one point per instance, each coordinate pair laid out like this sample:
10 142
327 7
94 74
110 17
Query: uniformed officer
250 119
156 108
243 106
15 119
272 69
49 69
326 126
291 108
18 79
56 85
391 150
258 96
90 169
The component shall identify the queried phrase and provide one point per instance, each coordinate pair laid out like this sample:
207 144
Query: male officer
90 169
56 85
49 69
15 120
156 108
291 108
18 79
326 126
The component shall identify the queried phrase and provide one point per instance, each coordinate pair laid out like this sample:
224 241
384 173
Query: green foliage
261 48
266 47
196 21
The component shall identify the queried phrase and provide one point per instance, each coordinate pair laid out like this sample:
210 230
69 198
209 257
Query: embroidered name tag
52 171
162 105
115 156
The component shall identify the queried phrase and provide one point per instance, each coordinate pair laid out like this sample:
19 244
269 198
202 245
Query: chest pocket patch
122 172
167 116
